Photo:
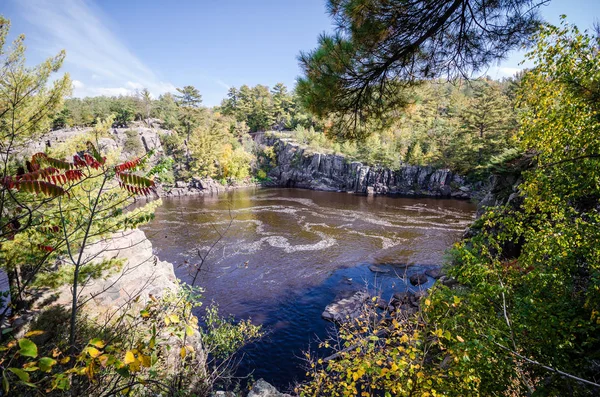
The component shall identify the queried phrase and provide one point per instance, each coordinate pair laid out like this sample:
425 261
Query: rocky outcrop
198 186
149 139
128 286
346 309
298 167
264 389
142 274
501 190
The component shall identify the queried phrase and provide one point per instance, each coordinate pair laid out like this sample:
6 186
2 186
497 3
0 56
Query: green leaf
5 384
28 348
46 363
24 376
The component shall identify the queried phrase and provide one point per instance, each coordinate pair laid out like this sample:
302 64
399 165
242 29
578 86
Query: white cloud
134 86
222 84
93 48
503 71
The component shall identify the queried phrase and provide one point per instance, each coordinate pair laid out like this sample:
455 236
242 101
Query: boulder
418 279
345 309
142 274
434 273
448 281
400 298
221 393
378 269
264 389
181 184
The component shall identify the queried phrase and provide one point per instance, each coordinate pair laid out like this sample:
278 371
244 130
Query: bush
133 143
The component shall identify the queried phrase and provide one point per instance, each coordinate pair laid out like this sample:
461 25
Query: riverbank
297 167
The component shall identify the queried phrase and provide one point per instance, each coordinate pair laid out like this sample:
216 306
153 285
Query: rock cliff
149 139
298 167
142 274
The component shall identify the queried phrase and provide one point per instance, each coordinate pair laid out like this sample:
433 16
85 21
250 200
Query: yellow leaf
182 352
461 340
129 357
189 331
33 333
93 352
97 343
174 318
146 361
103 360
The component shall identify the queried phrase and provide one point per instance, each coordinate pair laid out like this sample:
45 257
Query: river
287 253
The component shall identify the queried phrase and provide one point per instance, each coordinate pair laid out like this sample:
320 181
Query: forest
460 125
523 314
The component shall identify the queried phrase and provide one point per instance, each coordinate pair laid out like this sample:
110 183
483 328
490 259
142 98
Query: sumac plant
57 208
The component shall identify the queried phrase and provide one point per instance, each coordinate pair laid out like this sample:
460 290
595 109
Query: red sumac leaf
47 188
46 248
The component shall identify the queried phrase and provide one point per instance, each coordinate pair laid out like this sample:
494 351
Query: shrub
133 143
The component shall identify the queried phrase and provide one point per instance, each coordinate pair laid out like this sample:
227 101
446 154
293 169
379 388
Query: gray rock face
297 167
142 274
345 309
149 138
264 389
198 186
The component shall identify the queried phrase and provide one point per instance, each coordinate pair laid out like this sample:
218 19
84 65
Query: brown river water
287 253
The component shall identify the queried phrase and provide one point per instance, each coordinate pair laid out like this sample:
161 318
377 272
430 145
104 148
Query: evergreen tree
282 106
383 46
166 110
487 122
146 103
188 100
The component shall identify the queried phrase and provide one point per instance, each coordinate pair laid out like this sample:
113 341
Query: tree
123 108
27 104
188 100
282 106
382 46
166 110
524 319
188 96
145 99
487 126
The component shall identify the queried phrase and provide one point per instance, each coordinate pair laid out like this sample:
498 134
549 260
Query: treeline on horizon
461 125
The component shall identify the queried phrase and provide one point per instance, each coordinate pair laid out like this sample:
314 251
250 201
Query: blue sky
117 46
